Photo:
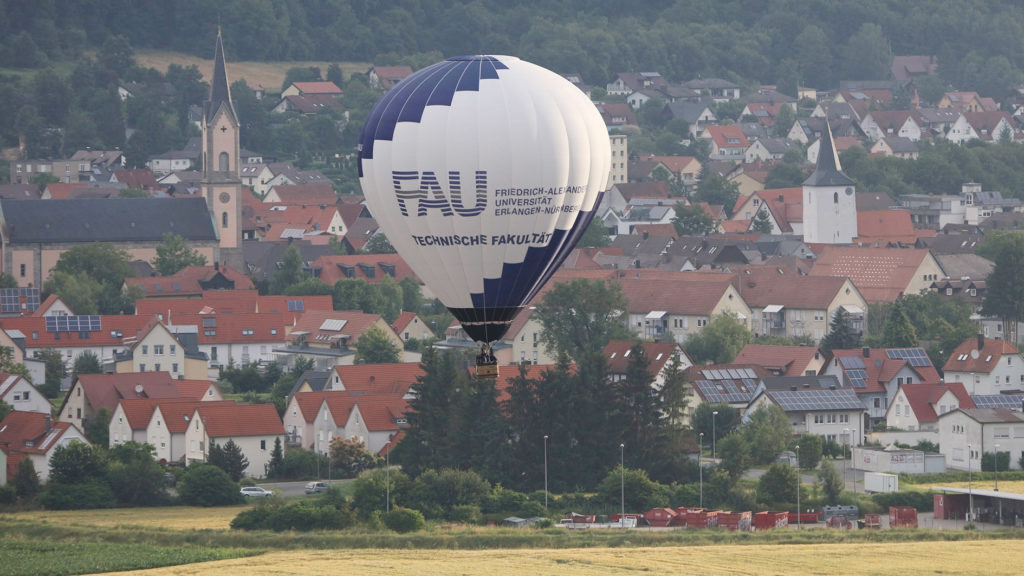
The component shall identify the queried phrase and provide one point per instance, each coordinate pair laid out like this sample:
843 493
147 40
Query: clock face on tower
849 191
224 197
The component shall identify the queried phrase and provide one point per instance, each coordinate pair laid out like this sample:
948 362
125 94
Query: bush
305 516
8 495
255 518
404 520
81 496
443 490
922 501
465 514
207 485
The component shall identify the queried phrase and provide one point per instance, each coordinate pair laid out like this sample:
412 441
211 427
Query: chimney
981 340
47 424
216 266
782 199
646 234
866 352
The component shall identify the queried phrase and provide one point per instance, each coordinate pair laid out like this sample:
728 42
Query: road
289 489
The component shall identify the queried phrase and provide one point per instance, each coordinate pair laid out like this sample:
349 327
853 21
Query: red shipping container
735 521
769 520
872 521
805 518
902 517
659 516
699 518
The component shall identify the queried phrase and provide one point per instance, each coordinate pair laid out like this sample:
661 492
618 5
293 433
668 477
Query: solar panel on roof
296 305
913 356
998 400
851 362
73 323
858 378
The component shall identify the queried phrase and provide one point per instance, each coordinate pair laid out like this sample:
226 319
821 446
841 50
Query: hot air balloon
483 172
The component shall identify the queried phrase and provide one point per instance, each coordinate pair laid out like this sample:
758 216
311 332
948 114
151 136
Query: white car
255 491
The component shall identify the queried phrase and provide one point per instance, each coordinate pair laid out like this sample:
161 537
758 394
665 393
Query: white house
21 395
985 366
252 427
35 436
832 414
964 435
917 407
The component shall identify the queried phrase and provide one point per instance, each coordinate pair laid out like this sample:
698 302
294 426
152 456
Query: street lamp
700 469
970 486
545 471
995 462
714 435
387 476
799 524
622 483
846 431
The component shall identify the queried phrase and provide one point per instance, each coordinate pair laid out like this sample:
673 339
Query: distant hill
269 74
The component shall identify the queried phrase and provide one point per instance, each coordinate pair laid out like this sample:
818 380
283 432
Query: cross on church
223 128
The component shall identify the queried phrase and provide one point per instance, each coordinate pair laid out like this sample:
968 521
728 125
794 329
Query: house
891 227
409 326
783 360
875 374
330 338
132 416
28 230
880 274
962 101
880 124
659 356
896 146
523 337
616 114
617 198
698 115
766 111
73 336
785 303
626 83
159 349
234 338
320 193
283 221
370 268
309 88
21 395
917 407
90 393
682 170
967 434
732 384
835 415
768 150
34 436
986 366
385 77
961 287
906 69
311 104
252 427
936 122
620 147
782 206
167 424
718 89
727 142
675 307
371 420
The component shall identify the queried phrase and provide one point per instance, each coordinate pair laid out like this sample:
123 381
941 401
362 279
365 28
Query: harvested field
171 517
882 559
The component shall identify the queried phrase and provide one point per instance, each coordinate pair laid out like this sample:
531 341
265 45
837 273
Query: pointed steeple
828 172
220 90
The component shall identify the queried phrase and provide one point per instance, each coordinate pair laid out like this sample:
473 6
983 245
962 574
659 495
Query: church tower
220 181
830 204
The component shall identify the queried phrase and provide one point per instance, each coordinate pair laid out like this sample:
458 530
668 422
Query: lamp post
714 435
545 471
700 469
799 524
970 486
995 462
387 481
622 483
849 439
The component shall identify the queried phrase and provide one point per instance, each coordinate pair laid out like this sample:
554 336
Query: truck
881 482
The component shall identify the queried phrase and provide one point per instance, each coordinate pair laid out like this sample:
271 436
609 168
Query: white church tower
830 204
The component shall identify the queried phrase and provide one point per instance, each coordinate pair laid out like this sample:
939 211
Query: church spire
220 91
828 172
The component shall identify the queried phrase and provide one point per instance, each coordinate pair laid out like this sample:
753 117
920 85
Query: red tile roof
27 433
388 74
306 194
140 179
194 389
967 357
923 397
379 412
312 323
317 87
238 328
332 268
375 379
885 226
784 360
881 369
114 330
106 390
187 281
178 414
881 274
766 285
230 302
402 321
690 296
139 411
730 136
223 421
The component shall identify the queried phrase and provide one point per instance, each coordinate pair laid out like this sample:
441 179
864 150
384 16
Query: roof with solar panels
867 370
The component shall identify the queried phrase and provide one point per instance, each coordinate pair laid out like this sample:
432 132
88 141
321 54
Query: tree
349 456
841 335
595 236
290 272
1004 296
784 120
97 429
639 491
5 409
714 426
767 432
762 222
275 467
898 331
26 480
718 190
207 485
720 341
87 363
55 369
90 279
778 484
117 54
866 54
784 175
9 366
692 220
735 455
136 478
581 317
228 458
830 481
174 254
76 462
810 451
374 347
378 244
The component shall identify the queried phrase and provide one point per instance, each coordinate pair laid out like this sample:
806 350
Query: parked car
255 492
316 487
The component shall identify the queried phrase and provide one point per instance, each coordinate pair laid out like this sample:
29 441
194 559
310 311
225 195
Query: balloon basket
486 370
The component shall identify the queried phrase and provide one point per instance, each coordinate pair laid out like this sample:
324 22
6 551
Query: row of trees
979 44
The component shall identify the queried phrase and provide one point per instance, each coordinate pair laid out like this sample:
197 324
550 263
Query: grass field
171 517
269 74
995 558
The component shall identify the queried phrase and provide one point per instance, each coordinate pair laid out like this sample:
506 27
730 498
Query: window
878 402
223 161
174 349
835 197
145 349
142 367
22 270
174 367
897 409
156 367
213 353
224 220
263 444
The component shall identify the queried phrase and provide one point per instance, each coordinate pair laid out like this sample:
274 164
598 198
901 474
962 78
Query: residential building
986 366
34 436
21 395
309 88
875 374
880 274
386 77
835 415
252 427
783 360
678 306
160 348
732 384
90 393
918 406
967 434
330 338
727 142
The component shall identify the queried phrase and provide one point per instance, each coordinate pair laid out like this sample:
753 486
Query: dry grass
994 558
1012 487
172 517
269 74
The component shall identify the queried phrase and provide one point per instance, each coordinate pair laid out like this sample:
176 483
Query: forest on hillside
979 43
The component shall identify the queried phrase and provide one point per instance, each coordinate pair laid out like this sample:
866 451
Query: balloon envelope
484 171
